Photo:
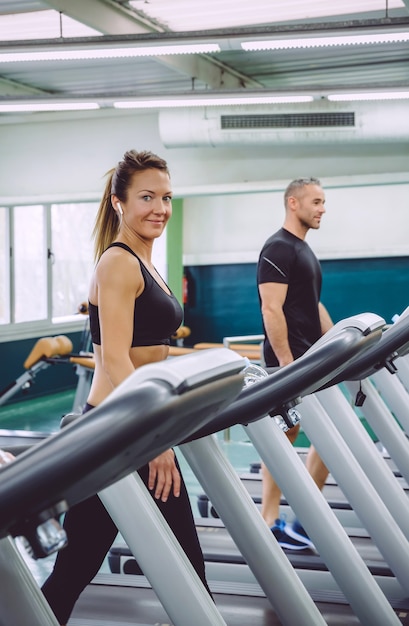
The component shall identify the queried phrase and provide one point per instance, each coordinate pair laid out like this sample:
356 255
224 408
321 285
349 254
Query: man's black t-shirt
289 260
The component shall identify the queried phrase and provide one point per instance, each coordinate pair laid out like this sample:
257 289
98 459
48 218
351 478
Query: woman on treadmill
132 315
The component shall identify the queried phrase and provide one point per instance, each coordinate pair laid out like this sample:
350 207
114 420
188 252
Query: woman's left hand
5 457
164 476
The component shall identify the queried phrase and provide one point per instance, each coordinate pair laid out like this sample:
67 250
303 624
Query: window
46 254
29 264
4 268
71 255
46 263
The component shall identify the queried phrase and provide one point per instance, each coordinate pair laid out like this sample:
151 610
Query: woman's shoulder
119 252
118 266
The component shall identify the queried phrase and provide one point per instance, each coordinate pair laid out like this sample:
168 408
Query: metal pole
341 557
395 395
159 554
353 481
402 363
21 600
383 424
251 534
362 447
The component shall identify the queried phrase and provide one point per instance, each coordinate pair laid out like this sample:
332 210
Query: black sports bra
157 315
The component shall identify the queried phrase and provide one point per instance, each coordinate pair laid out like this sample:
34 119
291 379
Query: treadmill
304 376
341 445
213 536
91 455
393 344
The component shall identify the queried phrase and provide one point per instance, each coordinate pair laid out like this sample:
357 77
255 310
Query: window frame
12 330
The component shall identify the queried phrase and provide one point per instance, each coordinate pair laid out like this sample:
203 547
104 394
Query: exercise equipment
275 394
253 353
339 458
391 432
248 530
285 385
350 572
58 350
333 449
377 359
49 351
42 355
152 409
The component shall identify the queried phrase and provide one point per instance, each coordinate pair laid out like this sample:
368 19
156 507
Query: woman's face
149 204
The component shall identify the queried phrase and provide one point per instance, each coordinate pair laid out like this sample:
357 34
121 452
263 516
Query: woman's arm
119 281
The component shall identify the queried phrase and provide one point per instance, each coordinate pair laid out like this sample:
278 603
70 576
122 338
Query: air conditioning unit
318 122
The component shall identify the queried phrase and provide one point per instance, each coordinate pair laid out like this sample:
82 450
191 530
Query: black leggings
91 532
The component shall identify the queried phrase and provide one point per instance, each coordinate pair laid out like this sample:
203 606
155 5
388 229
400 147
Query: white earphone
120 209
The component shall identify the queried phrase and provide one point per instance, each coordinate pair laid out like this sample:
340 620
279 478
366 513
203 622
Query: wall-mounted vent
311 123
287 120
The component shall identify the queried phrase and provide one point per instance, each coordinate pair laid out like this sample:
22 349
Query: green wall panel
223 299
358 285
174 231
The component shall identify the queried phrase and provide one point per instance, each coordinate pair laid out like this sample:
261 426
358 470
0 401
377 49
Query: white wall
65 158
360 221
68 156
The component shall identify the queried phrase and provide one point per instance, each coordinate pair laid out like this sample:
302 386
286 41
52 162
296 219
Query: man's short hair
297 184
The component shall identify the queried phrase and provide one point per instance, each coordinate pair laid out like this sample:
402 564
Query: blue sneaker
290 540
300 530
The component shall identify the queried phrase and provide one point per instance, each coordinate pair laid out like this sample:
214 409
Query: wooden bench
251 351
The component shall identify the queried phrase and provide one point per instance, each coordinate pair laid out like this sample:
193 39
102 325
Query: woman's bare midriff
142 355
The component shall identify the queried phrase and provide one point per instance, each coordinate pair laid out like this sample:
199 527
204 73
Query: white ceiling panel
42 24
181 15
61 25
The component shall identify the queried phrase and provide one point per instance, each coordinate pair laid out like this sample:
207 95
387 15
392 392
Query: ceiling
60 25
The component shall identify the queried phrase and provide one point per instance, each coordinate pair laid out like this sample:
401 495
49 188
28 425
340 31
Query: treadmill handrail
367 323
217 362
303 376
393 343
110 441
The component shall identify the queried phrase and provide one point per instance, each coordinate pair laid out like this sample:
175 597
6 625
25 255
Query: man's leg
270 497
270 508
319 472
316 467
271 494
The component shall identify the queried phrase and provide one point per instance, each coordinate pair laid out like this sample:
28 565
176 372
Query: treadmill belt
252 482
107 602
218 547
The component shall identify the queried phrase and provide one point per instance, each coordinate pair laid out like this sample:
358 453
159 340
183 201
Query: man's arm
273 296
325 319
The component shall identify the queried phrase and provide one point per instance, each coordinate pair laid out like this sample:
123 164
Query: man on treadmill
289 283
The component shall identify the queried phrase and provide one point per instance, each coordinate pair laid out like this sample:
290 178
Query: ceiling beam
107 16
111 18
406 3
215 75
10 87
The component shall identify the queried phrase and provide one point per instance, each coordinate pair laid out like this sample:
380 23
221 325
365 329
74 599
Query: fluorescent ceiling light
346 97
107 53
317 42
196 101
48 106
179 15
